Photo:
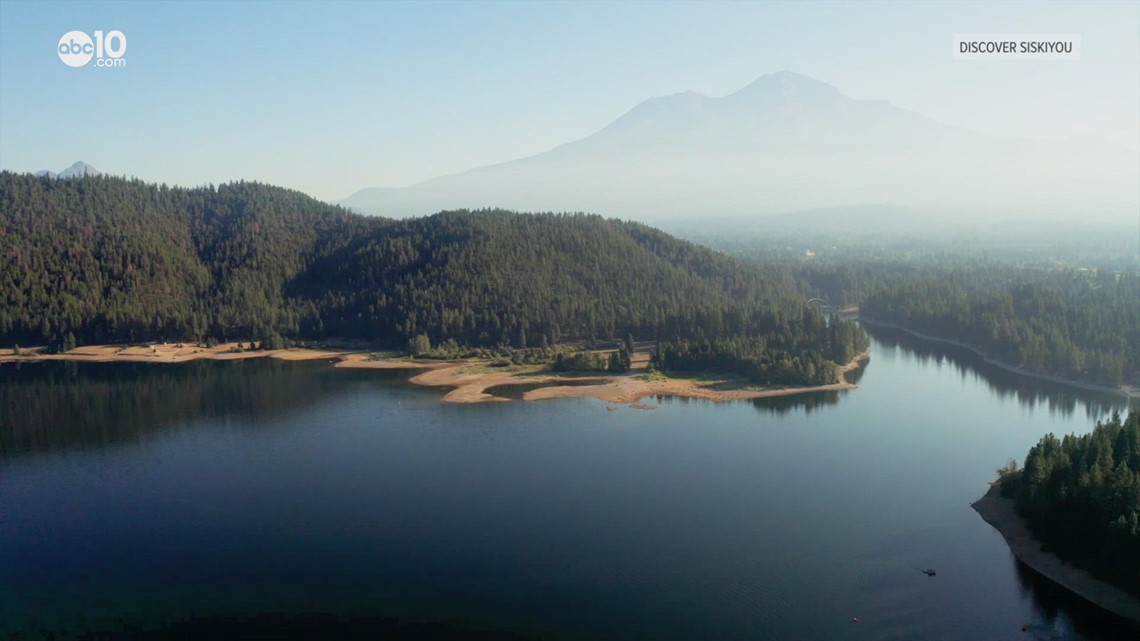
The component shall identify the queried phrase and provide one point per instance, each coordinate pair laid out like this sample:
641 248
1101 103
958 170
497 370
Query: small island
1072 513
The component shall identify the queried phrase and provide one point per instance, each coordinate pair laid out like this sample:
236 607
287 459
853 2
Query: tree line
1081 497
772 357
1077 324
1050 318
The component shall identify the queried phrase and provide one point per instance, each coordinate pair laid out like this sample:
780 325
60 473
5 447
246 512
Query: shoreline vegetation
469 380
1129 392
1000 513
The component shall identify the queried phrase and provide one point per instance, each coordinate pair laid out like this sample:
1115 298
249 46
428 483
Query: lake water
192 497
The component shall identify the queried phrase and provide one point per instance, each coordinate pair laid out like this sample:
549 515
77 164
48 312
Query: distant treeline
1074 323
1081 497
838 342
99 259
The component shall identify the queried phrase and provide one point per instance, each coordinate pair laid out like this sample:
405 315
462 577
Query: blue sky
332 97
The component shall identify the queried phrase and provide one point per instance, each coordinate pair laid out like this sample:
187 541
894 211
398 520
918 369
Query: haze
382 96
788 142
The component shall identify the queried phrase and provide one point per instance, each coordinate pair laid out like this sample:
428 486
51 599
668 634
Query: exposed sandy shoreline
166 353
1124 390
469 380
999 512
632 388
471 386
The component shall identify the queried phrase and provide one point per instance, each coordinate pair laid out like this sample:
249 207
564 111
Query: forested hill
1077 324
1081 496
99 259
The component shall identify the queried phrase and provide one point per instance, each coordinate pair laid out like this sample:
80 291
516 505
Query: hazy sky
332 97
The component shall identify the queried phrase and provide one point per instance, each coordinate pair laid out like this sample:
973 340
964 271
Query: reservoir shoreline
229 444
1125 391
999 512
469 380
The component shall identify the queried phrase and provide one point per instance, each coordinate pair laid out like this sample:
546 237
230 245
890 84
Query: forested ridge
99 259
1080 325
1076 323
1081 496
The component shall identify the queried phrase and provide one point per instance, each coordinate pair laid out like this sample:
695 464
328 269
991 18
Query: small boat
929 572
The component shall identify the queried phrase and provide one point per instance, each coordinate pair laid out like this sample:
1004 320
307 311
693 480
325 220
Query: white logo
76 49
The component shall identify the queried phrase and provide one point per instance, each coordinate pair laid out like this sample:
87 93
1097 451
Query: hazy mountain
76 170
788 143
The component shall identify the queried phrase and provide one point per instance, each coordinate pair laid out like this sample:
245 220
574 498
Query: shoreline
466 386
168 353
1127 392
999 512
628 388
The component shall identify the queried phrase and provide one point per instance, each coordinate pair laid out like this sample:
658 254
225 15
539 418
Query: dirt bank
999 512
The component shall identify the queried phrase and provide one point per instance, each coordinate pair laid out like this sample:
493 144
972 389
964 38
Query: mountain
77 170
98 260
787 143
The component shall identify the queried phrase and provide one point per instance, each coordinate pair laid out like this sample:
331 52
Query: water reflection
775 406
311 488
1054 603
65 405
1029 392
50 406
782 405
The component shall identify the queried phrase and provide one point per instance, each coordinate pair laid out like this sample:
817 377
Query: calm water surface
142 496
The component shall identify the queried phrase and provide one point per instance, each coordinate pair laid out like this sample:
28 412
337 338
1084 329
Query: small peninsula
469 380
1072 513
1000 512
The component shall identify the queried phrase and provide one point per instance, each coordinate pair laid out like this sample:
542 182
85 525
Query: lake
193 497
